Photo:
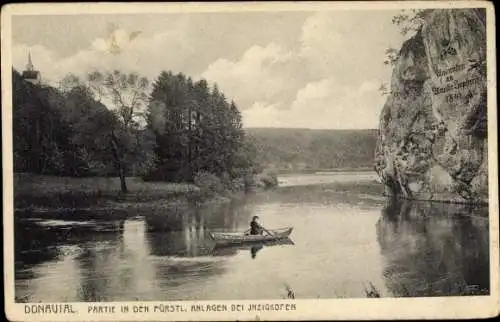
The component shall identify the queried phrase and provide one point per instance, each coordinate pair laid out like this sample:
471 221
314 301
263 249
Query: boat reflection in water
185 231
254 248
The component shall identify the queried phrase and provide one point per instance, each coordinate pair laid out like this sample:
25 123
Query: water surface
346 236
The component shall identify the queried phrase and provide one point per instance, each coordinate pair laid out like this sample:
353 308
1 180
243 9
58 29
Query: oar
267 231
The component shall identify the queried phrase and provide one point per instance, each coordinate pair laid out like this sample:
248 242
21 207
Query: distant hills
306 150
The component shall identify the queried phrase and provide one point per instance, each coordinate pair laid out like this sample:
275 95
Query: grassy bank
65 192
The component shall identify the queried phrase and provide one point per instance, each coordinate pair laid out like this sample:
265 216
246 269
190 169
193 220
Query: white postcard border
363 309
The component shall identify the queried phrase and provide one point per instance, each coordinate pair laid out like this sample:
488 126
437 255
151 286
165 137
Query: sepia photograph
249 161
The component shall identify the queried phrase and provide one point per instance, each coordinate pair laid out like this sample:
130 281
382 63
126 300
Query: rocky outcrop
432 142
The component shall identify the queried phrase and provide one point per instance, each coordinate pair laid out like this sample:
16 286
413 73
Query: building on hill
30 74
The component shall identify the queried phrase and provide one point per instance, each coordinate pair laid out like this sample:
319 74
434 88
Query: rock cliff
432 142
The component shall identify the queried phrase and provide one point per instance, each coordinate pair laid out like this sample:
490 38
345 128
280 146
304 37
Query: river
347 239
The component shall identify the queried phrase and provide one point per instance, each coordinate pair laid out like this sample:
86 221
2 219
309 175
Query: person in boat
255 227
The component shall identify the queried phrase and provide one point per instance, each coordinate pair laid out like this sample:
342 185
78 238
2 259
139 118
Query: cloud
323 104
106 54
348 44
339 54
327 78
261 114
259 75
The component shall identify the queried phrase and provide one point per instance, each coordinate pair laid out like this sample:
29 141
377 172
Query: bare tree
126 96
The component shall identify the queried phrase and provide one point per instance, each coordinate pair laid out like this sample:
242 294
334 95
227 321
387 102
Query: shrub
269 180
209 184
238 184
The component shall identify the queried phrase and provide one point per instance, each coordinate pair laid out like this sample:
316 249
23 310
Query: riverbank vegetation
70 192
173 136
307 151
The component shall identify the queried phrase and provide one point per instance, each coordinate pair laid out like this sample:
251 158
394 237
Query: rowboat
243 238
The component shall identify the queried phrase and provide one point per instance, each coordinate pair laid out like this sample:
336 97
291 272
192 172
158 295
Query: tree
118 131
168 120
128 96
384 89
392 56
40 133
408 21
196 130
91 122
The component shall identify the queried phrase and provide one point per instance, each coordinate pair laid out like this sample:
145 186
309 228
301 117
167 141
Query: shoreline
101 198
53 192
450 201
324 171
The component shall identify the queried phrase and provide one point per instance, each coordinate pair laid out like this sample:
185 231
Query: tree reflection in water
164 255
184 231
433 249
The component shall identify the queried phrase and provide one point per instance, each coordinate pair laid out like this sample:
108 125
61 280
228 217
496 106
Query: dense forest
115 124
287 149
172 129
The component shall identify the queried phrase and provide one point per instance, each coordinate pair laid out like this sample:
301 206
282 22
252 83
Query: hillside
289 149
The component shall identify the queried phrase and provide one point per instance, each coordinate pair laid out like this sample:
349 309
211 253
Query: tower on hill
30 74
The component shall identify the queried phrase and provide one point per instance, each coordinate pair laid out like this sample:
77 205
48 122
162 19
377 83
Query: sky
318 70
